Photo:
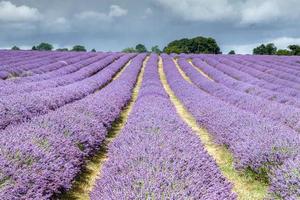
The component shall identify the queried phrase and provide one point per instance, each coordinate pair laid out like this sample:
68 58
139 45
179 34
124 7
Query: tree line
196 45
49 47
271 49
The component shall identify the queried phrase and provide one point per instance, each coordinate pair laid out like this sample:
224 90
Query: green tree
271 49
34 48
283 52
155 49
93 50
129 50
295 49
195 45
44 47
231 52
140 48
260 50
15 48
78 48
178 46
268 49
62 49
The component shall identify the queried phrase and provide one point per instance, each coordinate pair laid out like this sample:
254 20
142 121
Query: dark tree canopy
295 49
231 52
44 47
195 45
15 48
268 49
78 48
140 48
93 50
155 49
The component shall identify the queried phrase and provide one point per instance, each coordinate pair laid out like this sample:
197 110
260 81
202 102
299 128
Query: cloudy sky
111 25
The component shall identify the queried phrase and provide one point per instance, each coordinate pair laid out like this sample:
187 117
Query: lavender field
145 126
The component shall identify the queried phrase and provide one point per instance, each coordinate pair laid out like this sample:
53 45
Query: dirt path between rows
200 71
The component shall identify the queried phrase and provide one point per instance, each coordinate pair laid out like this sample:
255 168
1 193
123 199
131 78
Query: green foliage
195 45
93 50
34 48
231 52
268 49
260 50
155 49
283 52
62 49
140 48
78 48
15 48
295 49
129 50
44 47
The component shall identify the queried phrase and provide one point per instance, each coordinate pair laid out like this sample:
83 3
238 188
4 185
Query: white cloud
239 12
117 11
283 42
114 12
12 13
257 11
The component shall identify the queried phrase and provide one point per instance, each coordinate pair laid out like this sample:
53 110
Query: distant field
146 126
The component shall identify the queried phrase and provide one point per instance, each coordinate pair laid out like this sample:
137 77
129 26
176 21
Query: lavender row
271 69
52 72
41 158
251 75
20 107
279 64
285 180
68 60
285 65
15 58
287 115
27 68
79 75
7 57
21 67
245 87
157 156
231 69
293 60
60 68
34 56
255 143
41 68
